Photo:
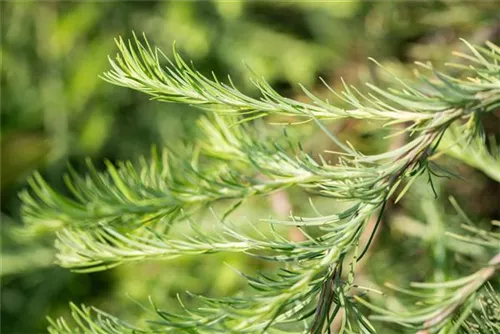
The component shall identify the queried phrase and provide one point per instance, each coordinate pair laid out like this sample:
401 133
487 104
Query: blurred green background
55 109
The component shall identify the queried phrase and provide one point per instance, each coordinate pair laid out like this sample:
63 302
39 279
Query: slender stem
482 276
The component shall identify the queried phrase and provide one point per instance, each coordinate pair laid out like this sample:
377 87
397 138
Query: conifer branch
455 297
475 150
122 215
438 310
139 67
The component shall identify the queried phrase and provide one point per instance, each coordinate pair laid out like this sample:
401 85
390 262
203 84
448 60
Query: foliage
125 214
55 109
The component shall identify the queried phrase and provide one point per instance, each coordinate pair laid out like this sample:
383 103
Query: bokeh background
55 109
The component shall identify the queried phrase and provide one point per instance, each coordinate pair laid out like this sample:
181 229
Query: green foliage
128 213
